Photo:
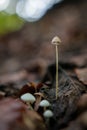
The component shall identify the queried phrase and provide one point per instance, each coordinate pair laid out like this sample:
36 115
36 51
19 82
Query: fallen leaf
10 112
30 87
34 121
82 102
14 77
82 75
14 115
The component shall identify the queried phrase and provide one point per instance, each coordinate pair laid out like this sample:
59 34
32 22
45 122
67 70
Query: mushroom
56 41
28 98
39 97
44 104
48 114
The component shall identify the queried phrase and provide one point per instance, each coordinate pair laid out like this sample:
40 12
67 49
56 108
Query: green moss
9 23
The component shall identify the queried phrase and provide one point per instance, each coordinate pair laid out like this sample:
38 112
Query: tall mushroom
56 41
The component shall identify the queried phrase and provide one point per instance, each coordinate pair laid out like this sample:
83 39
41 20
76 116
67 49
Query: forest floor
27 66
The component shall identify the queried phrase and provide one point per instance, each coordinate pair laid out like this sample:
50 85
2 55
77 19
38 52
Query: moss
9 23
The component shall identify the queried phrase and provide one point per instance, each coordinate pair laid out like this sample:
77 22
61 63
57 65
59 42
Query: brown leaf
27 88
30 87
82 75
82 103
10 112
33 121
14 115
14 77
38 86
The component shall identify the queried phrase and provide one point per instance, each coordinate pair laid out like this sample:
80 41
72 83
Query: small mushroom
28 98
56 41
44 104
39 97
48 114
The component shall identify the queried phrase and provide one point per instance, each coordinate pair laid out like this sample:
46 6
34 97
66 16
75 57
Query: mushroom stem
37 103
39 96
44 109
56 71
29 106
47 115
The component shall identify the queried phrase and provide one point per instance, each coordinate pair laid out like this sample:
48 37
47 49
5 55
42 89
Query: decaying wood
70 90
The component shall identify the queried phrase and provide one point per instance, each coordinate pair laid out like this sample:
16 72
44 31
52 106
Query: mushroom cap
44 103
56 40
48 114
39 94
28 97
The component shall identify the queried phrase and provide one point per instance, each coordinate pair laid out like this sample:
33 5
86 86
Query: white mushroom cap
56 40
28 97
44 103
48 114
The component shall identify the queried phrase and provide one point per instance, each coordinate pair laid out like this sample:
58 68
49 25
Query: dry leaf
14 115
34 121
82 103
82 75
14 77
10 112
30 87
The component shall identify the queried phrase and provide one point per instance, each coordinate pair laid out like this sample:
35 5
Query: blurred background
28 26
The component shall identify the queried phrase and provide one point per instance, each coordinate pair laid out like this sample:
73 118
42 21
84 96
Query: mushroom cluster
36 100
29 99
46 104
